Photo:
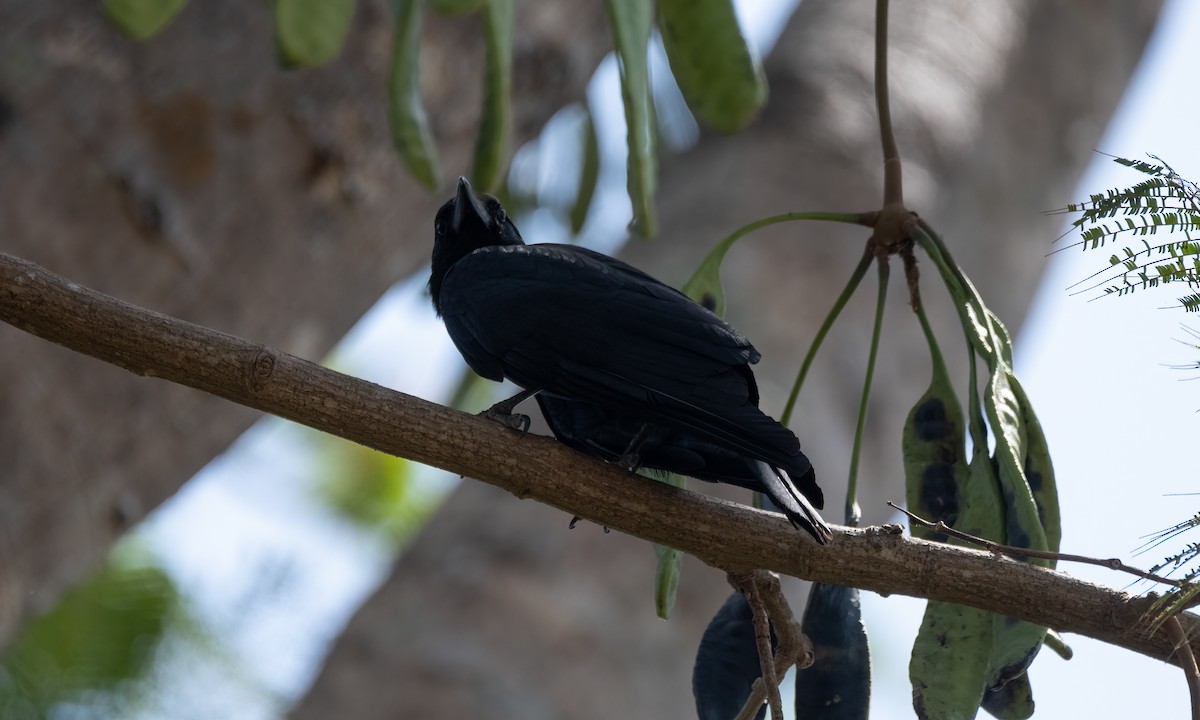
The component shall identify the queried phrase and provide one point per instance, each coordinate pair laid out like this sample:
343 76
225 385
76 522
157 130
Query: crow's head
466 222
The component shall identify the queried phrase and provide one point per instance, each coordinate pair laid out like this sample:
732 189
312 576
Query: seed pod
406 111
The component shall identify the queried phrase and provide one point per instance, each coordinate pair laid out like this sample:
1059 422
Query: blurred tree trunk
496 610
191 175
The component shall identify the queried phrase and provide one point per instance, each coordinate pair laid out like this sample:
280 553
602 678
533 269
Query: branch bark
725 535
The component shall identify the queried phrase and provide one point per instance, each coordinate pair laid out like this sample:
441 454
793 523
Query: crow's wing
575 323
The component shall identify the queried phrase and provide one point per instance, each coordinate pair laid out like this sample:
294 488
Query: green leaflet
719 74
406 112
589 173
495 119
141 19
310 32
631 21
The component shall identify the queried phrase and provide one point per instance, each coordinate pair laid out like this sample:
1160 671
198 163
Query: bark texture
998 107
190 174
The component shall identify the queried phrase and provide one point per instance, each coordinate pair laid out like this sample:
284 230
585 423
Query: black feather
615 356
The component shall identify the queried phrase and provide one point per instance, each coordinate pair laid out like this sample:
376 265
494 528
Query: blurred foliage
102 636
140 19
310 32
371 488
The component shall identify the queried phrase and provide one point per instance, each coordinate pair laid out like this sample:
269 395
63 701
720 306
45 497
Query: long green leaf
495 120
631 21
589 173
718 72
406 111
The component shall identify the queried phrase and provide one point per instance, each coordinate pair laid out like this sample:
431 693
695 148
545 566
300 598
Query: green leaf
631 21
311 32
719 74
141 19
99 635
589 173
495 120
406 111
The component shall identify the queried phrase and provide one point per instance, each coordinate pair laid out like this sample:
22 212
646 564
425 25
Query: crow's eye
501 216
439 228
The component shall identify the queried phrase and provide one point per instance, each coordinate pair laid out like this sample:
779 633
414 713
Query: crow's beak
467 207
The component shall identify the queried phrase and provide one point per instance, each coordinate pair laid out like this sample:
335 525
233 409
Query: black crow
624 367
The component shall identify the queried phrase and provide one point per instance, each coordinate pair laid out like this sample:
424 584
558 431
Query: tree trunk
191 175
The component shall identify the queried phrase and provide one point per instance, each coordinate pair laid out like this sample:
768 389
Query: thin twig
749 586
793 646
1188 661
999 549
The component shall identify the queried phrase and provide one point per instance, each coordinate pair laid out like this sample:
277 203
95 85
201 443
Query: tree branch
732 537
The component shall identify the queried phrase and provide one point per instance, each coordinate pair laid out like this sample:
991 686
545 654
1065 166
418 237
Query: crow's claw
506 417
575 521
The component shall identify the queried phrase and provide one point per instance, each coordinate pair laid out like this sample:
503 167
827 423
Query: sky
1119 422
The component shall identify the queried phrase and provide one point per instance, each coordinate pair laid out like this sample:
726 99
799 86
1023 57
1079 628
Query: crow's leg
502 412
630 460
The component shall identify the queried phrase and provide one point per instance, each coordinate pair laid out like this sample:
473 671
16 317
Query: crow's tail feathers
792 501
